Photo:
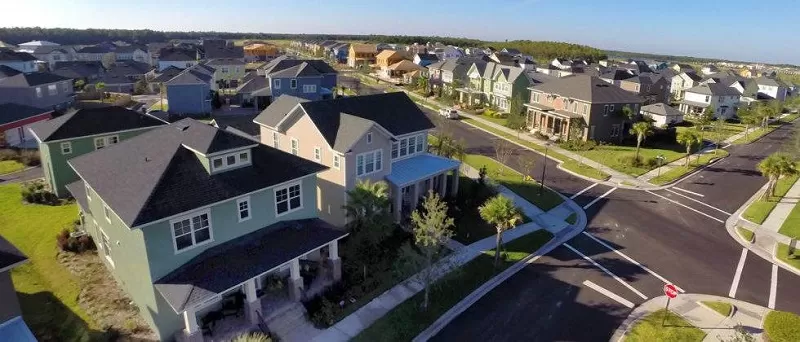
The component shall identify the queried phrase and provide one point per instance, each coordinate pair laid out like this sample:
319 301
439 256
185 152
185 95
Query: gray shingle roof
588 88
226 265
31 79
9 255
7 71
661 109
279 108
286 67
716 89
8 55
243 123
196 74
167 74
158 174
174 54
10 112
90 121
224 61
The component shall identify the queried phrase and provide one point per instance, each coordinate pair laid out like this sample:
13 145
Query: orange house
362 54
260 51
388 57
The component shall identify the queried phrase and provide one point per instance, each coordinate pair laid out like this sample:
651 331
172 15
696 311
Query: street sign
670 291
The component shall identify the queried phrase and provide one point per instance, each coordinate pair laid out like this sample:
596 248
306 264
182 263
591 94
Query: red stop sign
670 290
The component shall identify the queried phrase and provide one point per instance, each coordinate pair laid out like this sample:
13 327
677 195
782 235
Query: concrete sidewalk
781 211
716 326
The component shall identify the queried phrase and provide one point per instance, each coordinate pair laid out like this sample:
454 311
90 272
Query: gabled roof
364 48
130 68
287 67
158 174
129 49
243 123
7 71
405 65
175 54
10 112
253 84
91 121
716 89
769 81
30 80
196 74
167 74
389 54
8 55
588 88
428 57
279 108
617 74
693 76
94 49
9 255
661 109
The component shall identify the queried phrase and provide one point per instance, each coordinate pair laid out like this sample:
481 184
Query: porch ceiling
237 261
696 104
417 168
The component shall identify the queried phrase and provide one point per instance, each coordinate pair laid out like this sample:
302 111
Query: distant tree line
546 51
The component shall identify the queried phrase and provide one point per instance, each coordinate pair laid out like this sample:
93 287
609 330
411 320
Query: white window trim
223 158
374 161
239 210
337 161
295 146
276 140
106 141
68 146
290 210
106 253
276 83
194 245
408 155
369 138
317 153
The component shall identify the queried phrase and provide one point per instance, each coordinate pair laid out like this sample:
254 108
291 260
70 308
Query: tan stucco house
380 137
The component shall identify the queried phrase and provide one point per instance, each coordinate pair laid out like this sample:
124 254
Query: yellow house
362 54
260 51
388 57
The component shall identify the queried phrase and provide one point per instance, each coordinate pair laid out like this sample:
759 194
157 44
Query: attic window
369 138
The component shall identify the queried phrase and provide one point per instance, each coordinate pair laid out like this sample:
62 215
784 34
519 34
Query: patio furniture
209 321
233 305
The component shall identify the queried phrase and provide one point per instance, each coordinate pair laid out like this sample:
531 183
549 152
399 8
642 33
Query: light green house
495 84
190 219
80 132
228 70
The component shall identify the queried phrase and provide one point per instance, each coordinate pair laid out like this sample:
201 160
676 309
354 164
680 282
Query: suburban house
192 220
158 78
380 137
495 84
179 58
12 326
425 59
649 86
361 55
78 70
680 67
772 87
615 75
554 71
450 74
228 71
254 91
709 69
661 114
220 48
310 79
47 53
580 107
132 53
38 89
241 125
724 100
6 71
402 71
339 52
15 119
92 53
80 132
386 58
123 75
683 81
448 52
20 61
260 51
190 92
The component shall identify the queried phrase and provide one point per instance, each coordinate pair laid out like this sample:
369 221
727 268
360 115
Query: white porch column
442 184
415 198
454 190
336 262
191 331
252 304
295 280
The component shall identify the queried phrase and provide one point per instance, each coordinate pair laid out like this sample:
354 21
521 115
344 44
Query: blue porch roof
15 330
417 168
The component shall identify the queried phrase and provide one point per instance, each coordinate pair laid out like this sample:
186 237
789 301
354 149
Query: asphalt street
635 242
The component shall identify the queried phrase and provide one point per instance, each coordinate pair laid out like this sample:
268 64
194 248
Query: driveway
21 176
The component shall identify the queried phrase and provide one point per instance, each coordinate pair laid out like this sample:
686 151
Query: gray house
12 327
38 89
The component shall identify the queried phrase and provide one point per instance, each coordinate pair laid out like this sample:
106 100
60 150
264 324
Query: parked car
449 113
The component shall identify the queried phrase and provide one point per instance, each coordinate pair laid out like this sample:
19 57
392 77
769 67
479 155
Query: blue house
190 92
339 52
308 79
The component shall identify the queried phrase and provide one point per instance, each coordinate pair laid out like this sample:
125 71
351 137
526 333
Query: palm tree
688 138
641 129
773 168
500 212
367 204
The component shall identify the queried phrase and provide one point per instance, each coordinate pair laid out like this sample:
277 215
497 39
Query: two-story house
20 61
38 89
179 58
772 87
15 119
425 59
495 84
361 55
122 76
93 53
132 53
80 132
451 74
387 58
649 86
380 137
683 81
190 92
339 52
723 99
310 79
228 71
48 53
580 107
188 217
80 70
12 326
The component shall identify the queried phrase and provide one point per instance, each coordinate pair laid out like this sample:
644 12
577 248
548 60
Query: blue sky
764 31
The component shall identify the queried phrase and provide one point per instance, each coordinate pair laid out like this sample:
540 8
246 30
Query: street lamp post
544 168
660 161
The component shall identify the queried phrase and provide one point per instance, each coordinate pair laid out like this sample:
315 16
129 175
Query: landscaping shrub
578 145
252 337
66 241
30 158
516 121
630 160
37 193
8 154
539 135
663 135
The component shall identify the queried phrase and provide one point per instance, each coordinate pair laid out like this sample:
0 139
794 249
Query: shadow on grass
51 320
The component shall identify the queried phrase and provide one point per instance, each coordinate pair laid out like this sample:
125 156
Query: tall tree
773 168
108 60
367 209
500 212
703 119
526 165
748 117
688 138
447 146
641 129
432 229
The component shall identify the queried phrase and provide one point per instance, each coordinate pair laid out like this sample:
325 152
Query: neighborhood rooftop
587 88
91 121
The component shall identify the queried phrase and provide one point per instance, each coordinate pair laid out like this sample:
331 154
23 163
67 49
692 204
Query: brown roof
405 65
364 48
389 54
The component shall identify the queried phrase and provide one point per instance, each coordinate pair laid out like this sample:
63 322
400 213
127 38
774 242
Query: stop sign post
671 292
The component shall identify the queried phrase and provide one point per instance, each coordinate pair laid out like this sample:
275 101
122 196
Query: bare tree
502 151
526 166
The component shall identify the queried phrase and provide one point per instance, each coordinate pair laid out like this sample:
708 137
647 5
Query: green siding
61 173
147 254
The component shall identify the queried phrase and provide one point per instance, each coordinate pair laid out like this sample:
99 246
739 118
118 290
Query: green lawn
567 163
508 177
758 133
791 227
722 308
710 133
499 121
157 105
783 253
469 226
407 320
9 166
611 155
781 326
746 234
678 172
758 211
649 329
48 292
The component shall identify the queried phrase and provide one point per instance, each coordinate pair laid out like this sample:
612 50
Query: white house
20 61
661 114
772 87
132 53
709 69
723 99
683 81
448 52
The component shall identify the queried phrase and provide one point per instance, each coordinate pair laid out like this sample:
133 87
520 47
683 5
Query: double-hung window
295 146
614 131
317 154
310 88
243 206
276 143
369 138
369 162
52 89
293 83
408 146
105 141
276 84
412 145
337 163
191 231
288 199
66 148
105 244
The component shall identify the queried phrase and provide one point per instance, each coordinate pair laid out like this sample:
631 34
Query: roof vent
182 126
147 159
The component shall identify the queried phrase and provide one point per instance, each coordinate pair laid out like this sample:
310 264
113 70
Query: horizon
728 40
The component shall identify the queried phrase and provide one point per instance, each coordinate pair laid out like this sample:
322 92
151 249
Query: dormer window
230 160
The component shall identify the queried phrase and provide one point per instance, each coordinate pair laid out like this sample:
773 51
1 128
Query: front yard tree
748 117
432 229
502 151
526 166
773 168
368 210
703 119
79 84
688 138
447 146
500 212
641 129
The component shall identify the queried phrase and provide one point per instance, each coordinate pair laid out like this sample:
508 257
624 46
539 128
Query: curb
733 308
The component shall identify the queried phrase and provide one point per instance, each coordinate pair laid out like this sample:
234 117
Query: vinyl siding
192 99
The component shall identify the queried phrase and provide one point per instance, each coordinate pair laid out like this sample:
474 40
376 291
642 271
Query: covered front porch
692 108
412 178
551 122
470 96
238 286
